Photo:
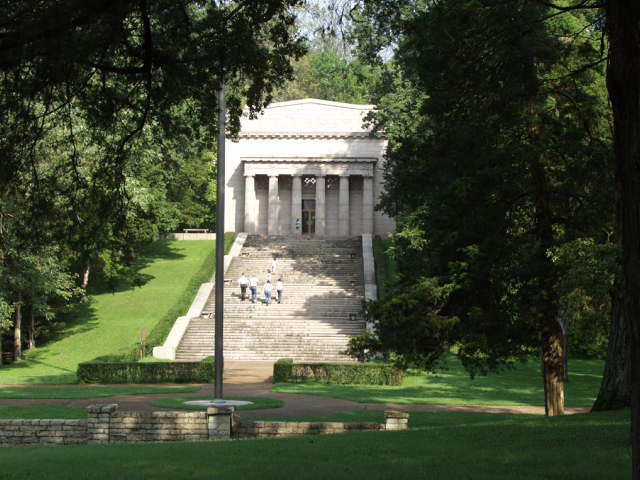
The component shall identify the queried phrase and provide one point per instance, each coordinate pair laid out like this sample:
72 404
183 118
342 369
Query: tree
501 167
6 310
127 65
623 82
329 76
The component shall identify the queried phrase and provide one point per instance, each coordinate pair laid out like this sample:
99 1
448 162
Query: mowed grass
89 392
110 322
177 403
521 385
41 411
442 445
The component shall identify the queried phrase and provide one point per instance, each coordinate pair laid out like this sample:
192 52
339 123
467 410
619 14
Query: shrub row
152 372
285 370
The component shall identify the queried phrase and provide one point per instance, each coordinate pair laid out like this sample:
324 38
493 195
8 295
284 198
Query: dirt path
254 379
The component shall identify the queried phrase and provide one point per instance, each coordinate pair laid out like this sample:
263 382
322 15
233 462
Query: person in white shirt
244 283
279 289
268 290
253 285
274 265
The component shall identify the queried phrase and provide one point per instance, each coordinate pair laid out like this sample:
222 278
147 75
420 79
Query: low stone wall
43 432
158 426
105 424
393 421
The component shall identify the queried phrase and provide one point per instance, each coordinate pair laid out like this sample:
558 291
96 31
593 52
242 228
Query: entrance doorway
308 216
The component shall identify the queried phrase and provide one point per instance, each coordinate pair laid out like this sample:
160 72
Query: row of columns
251 212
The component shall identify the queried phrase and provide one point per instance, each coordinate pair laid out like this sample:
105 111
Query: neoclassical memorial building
306 167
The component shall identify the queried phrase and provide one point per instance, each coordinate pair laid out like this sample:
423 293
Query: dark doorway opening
308 216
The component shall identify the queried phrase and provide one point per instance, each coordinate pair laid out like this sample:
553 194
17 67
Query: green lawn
89 392
519 386
109 323
441 445
42 411
177 403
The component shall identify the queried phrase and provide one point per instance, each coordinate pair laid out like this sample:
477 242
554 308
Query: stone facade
309 164
105 424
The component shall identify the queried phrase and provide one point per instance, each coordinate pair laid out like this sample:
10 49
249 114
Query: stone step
319 314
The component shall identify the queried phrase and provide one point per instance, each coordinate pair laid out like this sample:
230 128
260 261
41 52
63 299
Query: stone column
219 420
296 205
99 422
272 221
367 205
343 206
395 420
250 212
320 206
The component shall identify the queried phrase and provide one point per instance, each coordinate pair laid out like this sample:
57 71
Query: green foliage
339 373
327 75
590 269
497 122
386 268
160 372
108 147
6 310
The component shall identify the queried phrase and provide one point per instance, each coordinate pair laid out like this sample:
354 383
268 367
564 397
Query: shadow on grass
520 385
130 277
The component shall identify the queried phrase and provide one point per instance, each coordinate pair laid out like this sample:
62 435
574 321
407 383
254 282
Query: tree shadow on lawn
78 319
519 385
130 277
66 375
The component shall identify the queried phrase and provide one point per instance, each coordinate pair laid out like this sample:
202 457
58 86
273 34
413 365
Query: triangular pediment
308 116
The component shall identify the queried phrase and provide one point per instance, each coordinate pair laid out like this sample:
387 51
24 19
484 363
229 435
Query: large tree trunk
551 328
85 275
31 343
615 389
17 333
553 371
623 83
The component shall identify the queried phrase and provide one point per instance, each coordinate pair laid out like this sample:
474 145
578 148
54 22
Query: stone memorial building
306 167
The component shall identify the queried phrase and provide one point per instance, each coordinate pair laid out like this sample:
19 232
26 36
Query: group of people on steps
251 283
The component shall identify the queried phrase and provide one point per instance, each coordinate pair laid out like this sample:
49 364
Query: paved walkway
253 379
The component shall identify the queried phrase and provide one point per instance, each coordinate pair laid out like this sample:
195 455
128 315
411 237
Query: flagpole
218 393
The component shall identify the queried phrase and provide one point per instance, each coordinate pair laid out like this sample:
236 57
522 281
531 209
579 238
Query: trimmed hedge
152 372
284 370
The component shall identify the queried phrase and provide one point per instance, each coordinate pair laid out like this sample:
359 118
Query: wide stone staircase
320 312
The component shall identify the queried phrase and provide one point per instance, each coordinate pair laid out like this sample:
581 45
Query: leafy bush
285 370
386 267
156 372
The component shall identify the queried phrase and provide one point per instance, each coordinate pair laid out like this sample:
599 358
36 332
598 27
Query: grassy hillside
109 323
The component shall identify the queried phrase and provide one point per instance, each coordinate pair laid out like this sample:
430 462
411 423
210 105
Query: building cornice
308 135
309 166
307 158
